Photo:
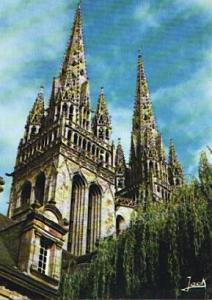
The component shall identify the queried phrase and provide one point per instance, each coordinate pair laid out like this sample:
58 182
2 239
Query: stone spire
175 169
36 116
120 162
144 132
70 92
102 121
120 167
74 65
143 113
147 165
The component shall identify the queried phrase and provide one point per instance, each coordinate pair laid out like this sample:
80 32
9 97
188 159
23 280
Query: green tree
165 243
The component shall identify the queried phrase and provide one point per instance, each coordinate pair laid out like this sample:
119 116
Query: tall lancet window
94 217
77 215
26 193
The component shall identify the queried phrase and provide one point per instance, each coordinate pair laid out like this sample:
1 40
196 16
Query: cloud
194 7
144 13
33 37
189 107
30 53
122 123
205 4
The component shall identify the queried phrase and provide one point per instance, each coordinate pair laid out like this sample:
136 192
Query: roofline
30 285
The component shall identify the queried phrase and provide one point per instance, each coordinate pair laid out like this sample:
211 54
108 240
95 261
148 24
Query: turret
102 121
120 167
175 168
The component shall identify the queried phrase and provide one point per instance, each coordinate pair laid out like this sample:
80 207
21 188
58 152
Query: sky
176 44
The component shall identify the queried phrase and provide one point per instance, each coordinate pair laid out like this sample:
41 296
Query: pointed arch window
33 130
40 188
71 112
26 193
107 134
93 150
101 120
75 139
65 108
84 144
101 133
89 147
107 158
94 217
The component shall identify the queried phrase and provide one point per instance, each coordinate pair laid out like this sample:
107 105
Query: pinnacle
41 91
139 53
102 106
172 154
120 158
102 92
141 74
79 4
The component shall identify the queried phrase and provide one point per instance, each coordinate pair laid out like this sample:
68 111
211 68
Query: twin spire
73 79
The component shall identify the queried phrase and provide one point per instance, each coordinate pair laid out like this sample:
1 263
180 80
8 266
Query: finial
119 140
102 90
41 90
139 53
171 143
79 4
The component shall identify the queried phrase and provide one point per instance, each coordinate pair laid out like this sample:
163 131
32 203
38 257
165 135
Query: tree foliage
165 243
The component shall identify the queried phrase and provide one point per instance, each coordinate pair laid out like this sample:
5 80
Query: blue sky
175 38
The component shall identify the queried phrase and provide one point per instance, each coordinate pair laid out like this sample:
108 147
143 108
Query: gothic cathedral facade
71 186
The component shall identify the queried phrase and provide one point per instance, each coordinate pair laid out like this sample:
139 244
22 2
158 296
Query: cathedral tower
65 164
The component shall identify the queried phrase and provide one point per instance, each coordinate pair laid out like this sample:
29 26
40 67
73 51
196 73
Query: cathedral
71 185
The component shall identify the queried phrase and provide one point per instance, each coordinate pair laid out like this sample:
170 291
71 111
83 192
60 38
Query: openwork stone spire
102 121
120 167
143 114
71 92
148 166
176 176
74 65
144 132
120 162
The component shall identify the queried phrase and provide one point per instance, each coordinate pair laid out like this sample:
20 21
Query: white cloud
189 107
28 39
205 4
194 7
144 13
122 123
